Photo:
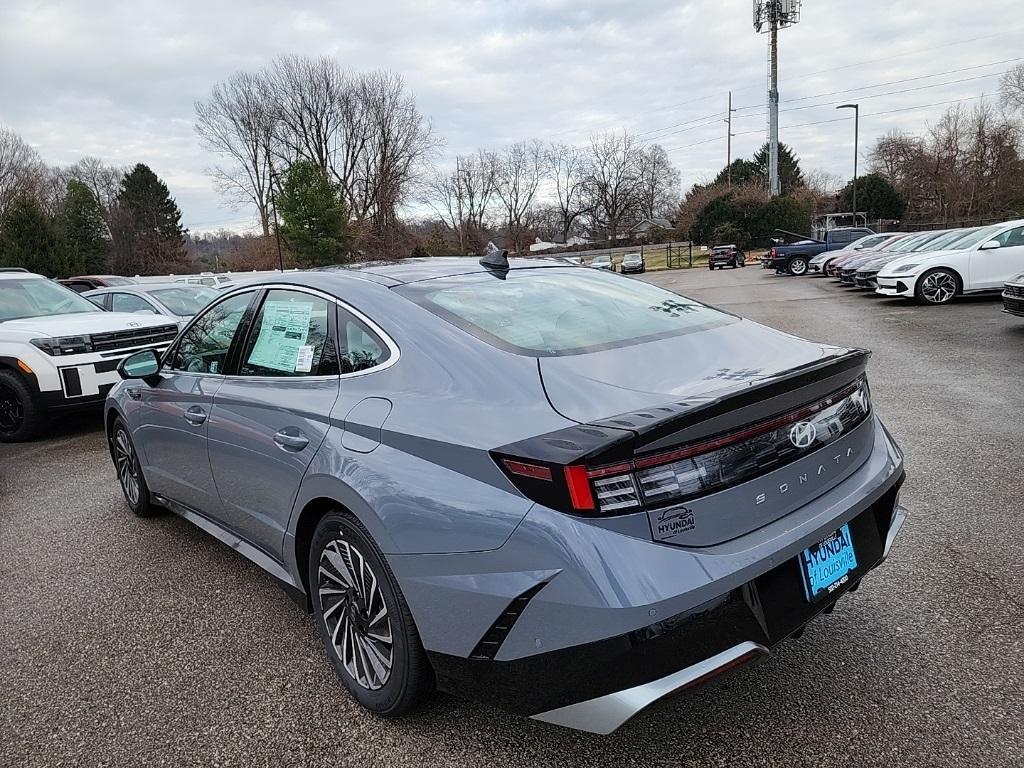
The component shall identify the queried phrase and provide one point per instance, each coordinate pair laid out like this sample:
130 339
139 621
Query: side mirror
990 245
142 365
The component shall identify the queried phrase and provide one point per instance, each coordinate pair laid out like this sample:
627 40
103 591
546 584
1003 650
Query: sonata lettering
762 497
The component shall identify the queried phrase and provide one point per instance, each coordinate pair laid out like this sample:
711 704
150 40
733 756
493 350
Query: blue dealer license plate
827 565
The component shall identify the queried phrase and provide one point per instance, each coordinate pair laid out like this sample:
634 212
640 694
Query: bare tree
565 166
614 181
103 180
21 169
399 146
1011 89
464 197
237 123
517 177
659 182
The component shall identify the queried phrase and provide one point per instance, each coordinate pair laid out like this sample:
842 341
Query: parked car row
933 267
631 262
59 349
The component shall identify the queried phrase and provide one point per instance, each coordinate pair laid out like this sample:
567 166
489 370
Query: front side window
1011 237
128 302
39 297
290 336
550 312
203 348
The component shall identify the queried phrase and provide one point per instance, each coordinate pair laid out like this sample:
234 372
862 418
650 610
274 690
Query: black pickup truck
794 258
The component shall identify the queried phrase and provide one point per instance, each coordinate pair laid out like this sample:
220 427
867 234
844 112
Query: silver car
547 487
175 300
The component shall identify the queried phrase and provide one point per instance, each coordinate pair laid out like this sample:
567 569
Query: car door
273 411
991 267
173 424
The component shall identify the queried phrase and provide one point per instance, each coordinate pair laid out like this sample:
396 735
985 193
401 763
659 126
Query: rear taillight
695 469
774 253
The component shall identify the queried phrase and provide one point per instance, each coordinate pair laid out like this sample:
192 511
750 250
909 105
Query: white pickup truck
59 351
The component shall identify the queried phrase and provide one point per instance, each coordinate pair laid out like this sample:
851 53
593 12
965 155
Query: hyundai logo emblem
133 324
802 434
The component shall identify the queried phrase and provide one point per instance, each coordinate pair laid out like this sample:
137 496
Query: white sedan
981 262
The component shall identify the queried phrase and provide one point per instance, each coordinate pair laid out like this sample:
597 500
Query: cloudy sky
118 79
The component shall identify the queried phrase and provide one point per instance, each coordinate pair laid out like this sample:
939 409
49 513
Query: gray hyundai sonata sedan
555 489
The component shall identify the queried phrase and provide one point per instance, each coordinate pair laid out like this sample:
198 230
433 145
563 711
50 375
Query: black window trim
246 319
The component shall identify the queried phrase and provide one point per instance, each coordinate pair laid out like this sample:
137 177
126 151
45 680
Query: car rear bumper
581 638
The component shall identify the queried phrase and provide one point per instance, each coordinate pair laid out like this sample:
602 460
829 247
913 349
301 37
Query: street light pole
856 137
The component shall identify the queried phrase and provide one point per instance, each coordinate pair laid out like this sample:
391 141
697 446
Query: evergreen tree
29 239
876 197
146 227
84 230
314 217
743 172
790 175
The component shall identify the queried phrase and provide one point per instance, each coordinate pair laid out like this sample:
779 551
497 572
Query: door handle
195 415
291 439
133 392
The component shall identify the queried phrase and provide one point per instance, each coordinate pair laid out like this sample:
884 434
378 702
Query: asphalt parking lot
145 642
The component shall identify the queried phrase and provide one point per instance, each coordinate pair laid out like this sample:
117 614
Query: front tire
937 286
129 471
21 418
798 266
364 622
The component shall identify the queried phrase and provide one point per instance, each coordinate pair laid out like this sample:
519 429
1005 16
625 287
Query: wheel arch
318 496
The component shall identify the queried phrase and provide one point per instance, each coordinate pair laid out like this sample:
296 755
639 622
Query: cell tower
771 16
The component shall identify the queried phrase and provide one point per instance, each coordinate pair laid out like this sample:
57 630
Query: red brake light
577 480
521 468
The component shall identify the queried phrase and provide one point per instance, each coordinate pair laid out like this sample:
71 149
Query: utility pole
774 187
728 144
277 227
776 15
856 138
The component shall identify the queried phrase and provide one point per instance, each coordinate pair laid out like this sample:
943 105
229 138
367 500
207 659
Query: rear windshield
551 312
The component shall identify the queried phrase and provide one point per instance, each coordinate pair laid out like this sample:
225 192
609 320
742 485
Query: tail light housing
594 488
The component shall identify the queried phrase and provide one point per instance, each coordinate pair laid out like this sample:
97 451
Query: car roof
20 275
138 288
392 273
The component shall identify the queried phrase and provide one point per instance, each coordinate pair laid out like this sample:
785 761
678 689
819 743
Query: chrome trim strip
899 517
606 713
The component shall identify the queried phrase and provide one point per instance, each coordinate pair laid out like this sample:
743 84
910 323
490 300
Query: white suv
59 351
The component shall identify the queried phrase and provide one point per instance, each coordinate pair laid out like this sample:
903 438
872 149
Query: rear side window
548 312
290 336
361 348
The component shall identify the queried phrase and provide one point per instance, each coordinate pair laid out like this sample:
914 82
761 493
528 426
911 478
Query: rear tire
797 266
129 471
368 632
21 417
938 286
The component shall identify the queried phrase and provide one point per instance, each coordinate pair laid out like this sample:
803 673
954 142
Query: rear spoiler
619 438
653 424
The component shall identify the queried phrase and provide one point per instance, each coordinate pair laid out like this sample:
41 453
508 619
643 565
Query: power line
666 132
833 120
851 65
896 82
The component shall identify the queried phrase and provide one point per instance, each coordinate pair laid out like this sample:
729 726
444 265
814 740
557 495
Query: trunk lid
690 389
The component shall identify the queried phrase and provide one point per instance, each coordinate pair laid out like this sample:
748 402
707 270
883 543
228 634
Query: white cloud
119 79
